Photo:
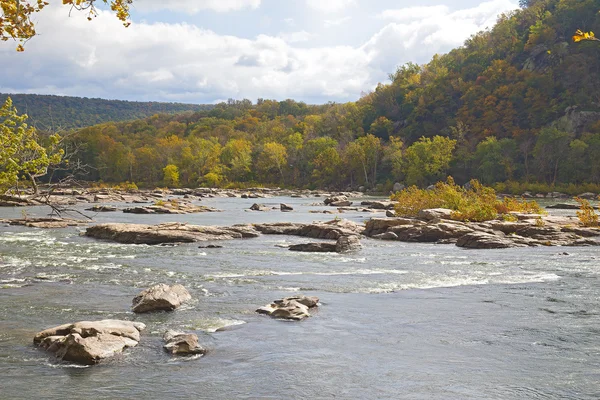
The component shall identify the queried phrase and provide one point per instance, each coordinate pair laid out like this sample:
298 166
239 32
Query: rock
45 223
294 308
563 206
89 342
435 213
211 246
390 214
168 233
398 187
348 243
379 205
386 236
335 199
285 208
588 196
345 203
102 209
181 343
160 297
321 247
170 207
259 207
322 230
483 240
377 226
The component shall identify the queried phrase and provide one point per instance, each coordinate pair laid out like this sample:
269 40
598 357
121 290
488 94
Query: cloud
195 6
184 63
296 37
330 6
329 23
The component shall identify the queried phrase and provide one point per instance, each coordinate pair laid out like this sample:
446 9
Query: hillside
63 112
516 103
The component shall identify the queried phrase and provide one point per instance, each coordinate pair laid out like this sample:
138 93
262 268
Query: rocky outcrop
45 223
331 201
89 342
160 297
293 308
182 344
527 230
379 204
168 233
323 230
170 207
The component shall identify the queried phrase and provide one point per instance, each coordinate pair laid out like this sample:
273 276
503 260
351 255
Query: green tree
273 157
237 158
428 159
20 150
550 151
495 159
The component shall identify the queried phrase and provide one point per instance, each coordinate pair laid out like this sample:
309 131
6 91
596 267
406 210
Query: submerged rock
293 308
45 223
160 298
182 344
89 342
320 247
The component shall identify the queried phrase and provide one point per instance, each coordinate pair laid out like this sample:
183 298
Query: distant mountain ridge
49 112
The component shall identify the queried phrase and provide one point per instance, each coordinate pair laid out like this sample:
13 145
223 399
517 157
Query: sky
207 51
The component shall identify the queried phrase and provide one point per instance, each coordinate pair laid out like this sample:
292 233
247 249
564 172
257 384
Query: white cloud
181 62
329 23
414 13
330 6
296 37
195 6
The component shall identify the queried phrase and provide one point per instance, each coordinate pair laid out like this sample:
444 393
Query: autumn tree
16 15
427 160
272 158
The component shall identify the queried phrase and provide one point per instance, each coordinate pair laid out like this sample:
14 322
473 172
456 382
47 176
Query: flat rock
435 213
182 344
45 223
168 233
160 297
483 240
170 207
102 209
320 247
89 342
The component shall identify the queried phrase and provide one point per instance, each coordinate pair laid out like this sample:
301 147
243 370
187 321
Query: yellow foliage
586 214
580 35
477 203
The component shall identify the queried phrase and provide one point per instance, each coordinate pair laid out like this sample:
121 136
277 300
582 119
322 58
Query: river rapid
397 320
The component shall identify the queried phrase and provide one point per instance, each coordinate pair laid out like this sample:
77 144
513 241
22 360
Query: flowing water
397 321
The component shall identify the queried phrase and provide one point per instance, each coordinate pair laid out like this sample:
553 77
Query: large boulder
293 308
160 297
335 199
483 240
348 243
89 342
285 208
181 343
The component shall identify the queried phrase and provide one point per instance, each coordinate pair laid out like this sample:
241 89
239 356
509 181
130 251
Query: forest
59 113
517 104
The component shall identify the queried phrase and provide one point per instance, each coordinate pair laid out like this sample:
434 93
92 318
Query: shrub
476 203
586 214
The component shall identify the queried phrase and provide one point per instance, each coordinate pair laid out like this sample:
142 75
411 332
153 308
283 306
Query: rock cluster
435 226
292 308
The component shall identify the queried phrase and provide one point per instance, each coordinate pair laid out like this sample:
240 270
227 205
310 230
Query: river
397 320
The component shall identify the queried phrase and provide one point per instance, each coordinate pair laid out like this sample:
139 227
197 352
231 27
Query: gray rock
259 207
293 308
181 343
345 203
89 342
285 208
483 240
160 297
348 243
398 187
390 214
435 213
335 199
